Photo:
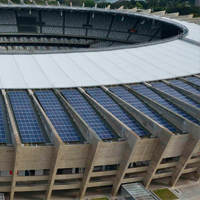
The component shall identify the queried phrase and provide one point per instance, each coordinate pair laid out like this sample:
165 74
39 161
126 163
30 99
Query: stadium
95 98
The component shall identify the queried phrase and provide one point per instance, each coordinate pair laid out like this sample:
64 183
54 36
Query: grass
101 199
165 194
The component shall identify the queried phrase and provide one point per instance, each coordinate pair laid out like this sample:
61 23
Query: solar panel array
26 119
194 80
87 112
105 100
169 90
142 89
57 115
3 138
134 101
185 86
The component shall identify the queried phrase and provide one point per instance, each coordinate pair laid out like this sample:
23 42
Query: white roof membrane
63 70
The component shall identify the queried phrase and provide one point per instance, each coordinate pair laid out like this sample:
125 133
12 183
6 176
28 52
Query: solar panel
194 80
185 86
169 90
87 112
3 138
142 89
26 119
101 97
57 115
135 102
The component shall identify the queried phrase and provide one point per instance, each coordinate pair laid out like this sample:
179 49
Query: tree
89 3
139 5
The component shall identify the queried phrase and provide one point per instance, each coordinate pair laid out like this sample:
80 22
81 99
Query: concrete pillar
16 142
185 157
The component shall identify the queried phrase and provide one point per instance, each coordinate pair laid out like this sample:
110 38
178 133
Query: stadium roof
161 61
179 57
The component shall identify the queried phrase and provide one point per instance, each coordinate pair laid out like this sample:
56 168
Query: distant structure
197 3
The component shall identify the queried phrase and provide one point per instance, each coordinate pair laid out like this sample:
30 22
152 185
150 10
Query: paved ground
188 193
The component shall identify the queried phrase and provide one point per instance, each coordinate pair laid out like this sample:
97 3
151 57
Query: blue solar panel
3 138
101 97
26 118
59 118
194 80
134 101
185 86
142 89
86 111
169 90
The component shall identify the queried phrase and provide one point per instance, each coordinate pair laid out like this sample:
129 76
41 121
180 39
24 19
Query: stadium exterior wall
157 153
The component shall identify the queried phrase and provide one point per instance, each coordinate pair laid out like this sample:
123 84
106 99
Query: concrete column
58 144
127 158
156 129
93 153
156 159
16 141
90 135
185 157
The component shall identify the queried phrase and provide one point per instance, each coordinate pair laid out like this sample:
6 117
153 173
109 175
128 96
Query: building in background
197 3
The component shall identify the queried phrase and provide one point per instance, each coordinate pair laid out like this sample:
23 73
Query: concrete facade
96 163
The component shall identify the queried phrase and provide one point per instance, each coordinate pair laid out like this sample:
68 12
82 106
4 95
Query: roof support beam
180 122
91 136
16 141
152 126
191 110
184 125
157 158
184 159
93 154
63 22
156 129
123 131
135 27
40 20
120 128
187 93
57 142
127 159
190 83
110 26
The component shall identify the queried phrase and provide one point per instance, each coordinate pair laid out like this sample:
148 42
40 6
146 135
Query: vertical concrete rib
89 134
119 127
187 93
156 129
16 141
91 137
184 125
58 145
191 110
123 131
190 83
188 151
127 159
93 153
179 121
